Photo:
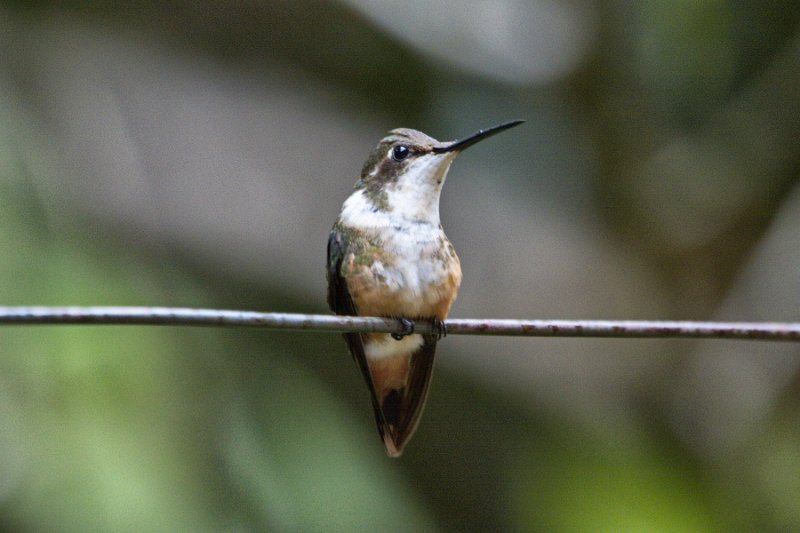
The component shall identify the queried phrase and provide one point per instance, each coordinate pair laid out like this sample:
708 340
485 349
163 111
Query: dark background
196 154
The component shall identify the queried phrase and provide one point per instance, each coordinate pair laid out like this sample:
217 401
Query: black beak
480 135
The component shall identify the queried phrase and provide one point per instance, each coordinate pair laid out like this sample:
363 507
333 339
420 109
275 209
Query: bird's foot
439 328
408 329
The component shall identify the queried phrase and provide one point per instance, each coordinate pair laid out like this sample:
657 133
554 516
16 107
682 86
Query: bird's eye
400 152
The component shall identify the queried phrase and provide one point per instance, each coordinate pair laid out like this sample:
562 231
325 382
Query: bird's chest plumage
413 260
407 270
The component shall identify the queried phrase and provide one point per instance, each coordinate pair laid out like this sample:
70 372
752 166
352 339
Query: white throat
415 195
412 199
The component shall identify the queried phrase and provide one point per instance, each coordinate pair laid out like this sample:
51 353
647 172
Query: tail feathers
392 449
399 410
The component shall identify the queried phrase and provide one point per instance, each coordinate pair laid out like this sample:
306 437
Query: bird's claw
439 328
408 329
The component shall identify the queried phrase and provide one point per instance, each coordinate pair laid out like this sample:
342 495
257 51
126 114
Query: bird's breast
408 271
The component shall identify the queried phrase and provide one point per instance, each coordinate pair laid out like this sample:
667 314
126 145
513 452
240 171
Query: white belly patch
386 346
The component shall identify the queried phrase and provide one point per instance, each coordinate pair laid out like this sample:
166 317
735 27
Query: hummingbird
388 256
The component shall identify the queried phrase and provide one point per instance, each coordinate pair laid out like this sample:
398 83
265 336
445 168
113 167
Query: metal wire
169 316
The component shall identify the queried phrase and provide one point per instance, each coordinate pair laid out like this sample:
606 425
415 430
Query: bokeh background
196 154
